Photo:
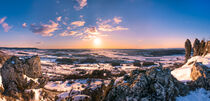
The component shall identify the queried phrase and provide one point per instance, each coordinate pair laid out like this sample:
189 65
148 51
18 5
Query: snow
28 79
1 84
80 97
37 92
183 73
3 99
198 95
66 86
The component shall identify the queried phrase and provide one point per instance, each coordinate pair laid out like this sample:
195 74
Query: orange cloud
59 18
81 4
117 20
66 33
78 23
24 25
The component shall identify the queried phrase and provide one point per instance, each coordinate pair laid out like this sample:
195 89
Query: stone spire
188 48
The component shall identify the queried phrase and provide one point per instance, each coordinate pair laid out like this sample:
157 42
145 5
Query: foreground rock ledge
156 84
21 74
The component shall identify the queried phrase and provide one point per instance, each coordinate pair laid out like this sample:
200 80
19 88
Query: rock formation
188 49
196 47
202 48
3 57
200 75
207 48
21 74
151 85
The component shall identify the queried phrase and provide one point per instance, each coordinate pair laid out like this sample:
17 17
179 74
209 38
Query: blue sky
116 23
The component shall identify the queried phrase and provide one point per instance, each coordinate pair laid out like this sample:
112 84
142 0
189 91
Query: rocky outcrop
188 49
3 57
151 85
202 48
21 74
196 47
207 48
200 75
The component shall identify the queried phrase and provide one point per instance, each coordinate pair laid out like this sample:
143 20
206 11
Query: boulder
196 47
155 84
200 75
21 74
188 49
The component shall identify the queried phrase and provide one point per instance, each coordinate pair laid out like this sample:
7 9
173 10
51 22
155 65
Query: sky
123 24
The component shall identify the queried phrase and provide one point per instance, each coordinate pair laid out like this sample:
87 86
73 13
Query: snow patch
198 95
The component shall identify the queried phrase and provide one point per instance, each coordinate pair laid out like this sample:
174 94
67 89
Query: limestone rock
202 47
155 84
19 74
196 47
3 57
188 49
200 75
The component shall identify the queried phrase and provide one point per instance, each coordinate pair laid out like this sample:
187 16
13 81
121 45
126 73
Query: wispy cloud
2 20
5 25
91 30
117 20
68 33
78 23
44 29
81 4
110 24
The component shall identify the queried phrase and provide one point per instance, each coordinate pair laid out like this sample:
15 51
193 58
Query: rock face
188 49
3 57
151 85
207 48
19 75
200 75
202 48
196 47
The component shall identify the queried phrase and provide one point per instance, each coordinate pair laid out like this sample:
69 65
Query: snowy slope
183 73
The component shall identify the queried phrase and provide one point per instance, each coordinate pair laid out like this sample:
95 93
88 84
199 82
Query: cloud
68 33
44 29
91 30
81 4
24 25
2 20
110 24
78 23
59 18
5 26
117 20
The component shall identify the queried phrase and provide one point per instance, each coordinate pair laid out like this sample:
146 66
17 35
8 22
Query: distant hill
19 48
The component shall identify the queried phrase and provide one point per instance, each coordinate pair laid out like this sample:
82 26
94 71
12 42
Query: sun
97 41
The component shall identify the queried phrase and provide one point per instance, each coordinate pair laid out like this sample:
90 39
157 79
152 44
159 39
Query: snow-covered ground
197 95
